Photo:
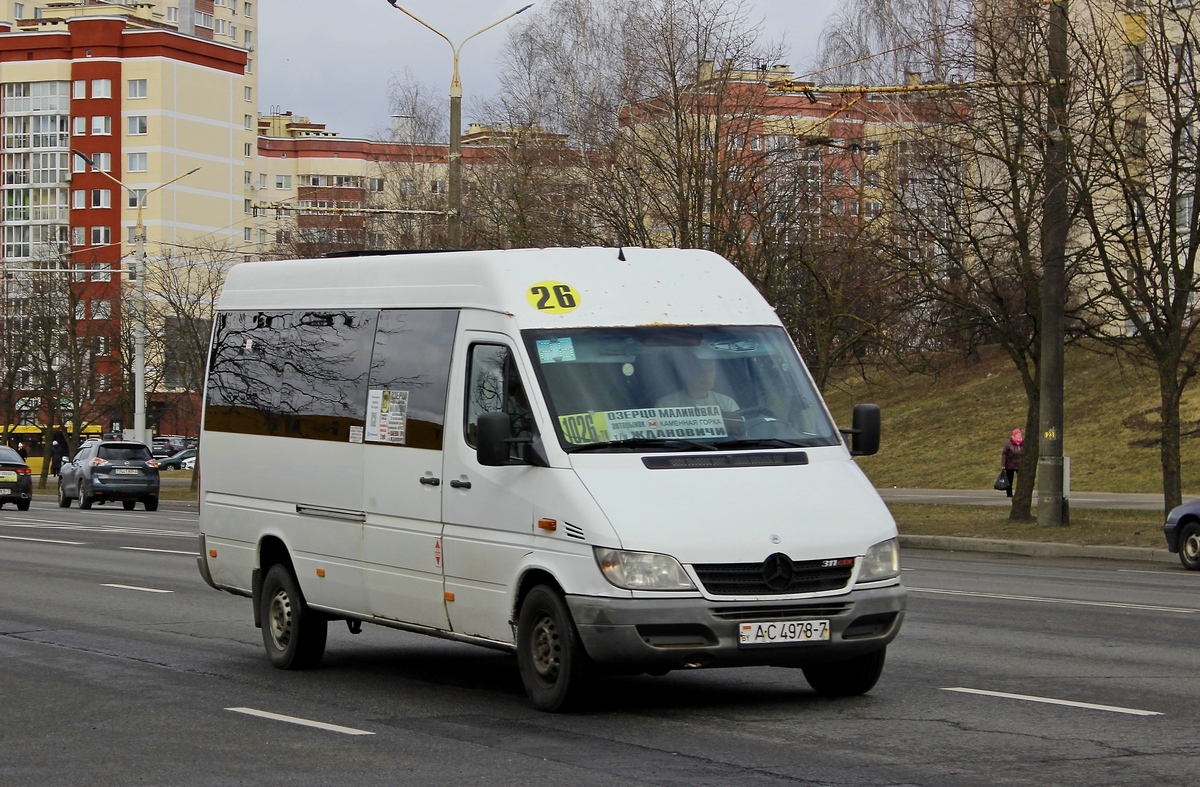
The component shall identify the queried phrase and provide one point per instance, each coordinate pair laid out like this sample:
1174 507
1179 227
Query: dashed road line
1052 701
1050 600
44 540
320 725
163 551
134 587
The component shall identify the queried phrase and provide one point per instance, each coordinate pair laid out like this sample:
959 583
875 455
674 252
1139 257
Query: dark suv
106 470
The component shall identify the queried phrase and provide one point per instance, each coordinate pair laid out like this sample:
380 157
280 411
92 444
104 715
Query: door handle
456 484
430 480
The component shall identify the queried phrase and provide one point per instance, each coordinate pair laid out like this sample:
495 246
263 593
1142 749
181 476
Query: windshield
678 388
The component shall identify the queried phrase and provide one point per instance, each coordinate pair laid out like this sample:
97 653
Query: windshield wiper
672 444
768 442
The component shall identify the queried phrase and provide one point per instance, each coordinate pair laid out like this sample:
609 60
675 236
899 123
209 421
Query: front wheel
550 655
1189 546
293 634
846 678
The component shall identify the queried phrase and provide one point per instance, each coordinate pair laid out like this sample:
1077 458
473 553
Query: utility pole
1051 501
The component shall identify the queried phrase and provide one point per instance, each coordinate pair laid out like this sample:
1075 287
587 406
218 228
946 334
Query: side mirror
864 436
492 433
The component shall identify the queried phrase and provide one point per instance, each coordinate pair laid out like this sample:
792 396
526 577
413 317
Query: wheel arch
271 551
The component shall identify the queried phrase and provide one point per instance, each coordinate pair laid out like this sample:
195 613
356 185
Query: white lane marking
1162 573
1047 600
134 587
1051 701
141 531
320 725
45 540
164 551
181 519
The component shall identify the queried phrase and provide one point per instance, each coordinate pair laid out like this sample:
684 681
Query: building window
262 180
79 236
101 126
137 125
248 177
79 88
172 14
79 126
248 38
101 198
246 10
101 310
246 234
248 121
101 88
78 199
247 207
137 162
375 184
220 27
283 181
249 65
102 162
204 20
137 88
135 197
1135 64
248 93
437 187
248 150
101 235
102 271
262 236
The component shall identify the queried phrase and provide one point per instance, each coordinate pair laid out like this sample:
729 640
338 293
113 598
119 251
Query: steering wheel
751 417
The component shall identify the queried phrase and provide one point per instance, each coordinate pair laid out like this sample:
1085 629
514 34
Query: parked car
16 482
164 446
189 463
110 470
176 462
1183 534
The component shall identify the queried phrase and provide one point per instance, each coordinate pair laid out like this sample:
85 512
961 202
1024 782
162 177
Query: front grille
779 613
747 579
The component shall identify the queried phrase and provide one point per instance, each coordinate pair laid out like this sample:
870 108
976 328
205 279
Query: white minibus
602 460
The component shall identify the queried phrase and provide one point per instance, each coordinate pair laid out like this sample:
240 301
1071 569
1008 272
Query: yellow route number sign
553 297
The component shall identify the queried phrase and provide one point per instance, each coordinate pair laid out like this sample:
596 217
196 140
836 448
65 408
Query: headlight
642 570
882 561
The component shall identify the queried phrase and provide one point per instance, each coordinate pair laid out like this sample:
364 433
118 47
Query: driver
698 375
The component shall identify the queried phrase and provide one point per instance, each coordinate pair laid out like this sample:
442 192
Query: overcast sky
331 60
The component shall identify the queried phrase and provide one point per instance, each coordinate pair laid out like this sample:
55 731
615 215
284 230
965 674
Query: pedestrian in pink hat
1010 459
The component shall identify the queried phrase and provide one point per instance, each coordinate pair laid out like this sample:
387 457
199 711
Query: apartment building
114 112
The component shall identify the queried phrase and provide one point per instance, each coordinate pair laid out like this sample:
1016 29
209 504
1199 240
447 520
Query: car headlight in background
882 561
642 570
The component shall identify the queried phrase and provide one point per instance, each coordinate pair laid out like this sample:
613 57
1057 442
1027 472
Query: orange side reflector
320 572
548 524
212 553
449 596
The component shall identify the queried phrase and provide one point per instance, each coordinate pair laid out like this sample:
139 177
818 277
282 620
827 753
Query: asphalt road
119 666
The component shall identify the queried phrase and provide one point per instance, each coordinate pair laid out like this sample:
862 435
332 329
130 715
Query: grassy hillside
947 431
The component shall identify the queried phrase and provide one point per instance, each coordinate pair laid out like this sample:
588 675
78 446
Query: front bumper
1171 531
648 634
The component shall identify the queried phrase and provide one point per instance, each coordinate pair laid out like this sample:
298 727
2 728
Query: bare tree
1137 173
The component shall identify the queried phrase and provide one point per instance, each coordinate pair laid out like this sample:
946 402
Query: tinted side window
290 373
410 372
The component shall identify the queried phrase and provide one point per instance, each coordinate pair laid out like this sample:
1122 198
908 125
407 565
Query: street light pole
139 274
454 219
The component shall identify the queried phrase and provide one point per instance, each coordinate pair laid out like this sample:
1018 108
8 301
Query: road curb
1037 548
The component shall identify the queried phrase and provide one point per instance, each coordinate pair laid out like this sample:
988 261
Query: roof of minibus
540 288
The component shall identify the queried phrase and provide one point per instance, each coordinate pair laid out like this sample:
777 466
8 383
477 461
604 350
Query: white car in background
188 464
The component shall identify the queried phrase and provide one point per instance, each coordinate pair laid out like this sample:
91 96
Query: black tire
293 634
128 504
64 501
150 503
846 678
1189 546
85 498
23 505
550 655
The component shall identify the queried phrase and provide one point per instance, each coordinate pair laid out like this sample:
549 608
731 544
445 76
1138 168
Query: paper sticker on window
387 416
556 350
652 423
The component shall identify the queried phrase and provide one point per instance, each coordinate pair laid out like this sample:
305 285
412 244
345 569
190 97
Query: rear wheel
293 634
1189 546
23 505
151 504
128 504
85 497
846 678
63 500
550 656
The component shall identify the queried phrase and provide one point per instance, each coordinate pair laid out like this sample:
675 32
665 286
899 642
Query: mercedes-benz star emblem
777 571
